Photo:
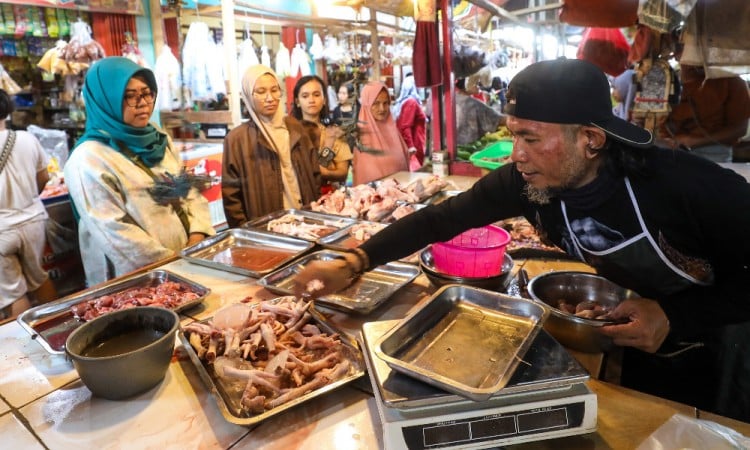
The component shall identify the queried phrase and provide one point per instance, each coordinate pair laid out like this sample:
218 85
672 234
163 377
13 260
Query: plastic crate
499 149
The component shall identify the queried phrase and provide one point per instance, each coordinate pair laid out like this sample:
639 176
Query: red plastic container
477 253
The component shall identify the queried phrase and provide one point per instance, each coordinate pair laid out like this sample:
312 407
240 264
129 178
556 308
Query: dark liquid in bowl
122 343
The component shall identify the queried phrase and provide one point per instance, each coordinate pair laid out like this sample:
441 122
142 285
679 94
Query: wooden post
157 27
230 53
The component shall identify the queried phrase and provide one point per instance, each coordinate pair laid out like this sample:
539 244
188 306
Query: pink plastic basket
475 253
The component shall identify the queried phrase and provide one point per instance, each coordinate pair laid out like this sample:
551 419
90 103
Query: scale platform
546 398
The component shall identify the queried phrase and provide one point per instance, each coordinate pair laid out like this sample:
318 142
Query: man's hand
647 329
320 278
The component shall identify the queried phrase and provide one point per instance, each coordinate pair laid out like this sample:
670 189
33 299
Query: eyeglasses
275 93
133 99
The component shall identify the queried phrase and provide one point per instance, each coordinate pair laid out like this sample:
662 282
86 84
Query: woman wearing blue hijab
116 177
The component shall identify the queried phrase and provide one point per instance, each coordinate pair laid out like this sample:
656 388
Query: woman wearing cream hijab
269 161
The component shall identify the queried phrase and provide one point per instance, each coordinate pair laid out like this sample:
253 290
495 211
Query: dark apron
711 373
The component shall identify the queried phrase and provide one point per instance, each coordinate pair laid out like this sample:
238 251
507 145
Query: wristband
364 260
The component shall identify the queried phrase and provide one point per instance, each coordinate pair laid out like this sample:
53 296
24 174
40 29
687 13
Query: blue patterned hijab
103 93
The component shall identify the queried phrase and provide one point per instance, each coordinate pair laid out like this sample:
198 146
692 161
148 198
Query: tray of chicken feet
363 295
377 201
261 359
308 225
51 323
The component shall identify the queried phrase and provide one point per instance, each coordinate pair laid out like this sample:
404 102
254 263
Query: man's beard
571 170
540 196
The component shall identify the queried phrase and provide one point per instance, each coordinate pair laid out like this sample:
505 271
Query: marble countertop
44 404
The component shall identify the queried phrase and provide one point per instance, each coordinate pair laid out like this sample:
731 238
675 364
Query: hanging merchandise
317 49
716 38
82 50
7 83
216 63
247 56
664 16
606 48
52 62
333 53
467 60
265 58
9 20
300 61
130 50
167 73
199 54
654 87
426 56
283 63
50 18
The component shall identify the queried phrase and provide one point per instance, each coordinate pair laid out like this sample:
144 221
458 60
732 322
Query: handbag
10 142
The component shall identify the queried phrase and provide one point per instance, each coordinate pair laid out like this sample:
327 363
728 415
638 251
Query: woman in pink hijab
383 151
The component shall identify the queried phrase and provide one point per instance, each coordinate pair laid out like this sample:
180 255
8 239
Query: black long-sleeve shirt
697 209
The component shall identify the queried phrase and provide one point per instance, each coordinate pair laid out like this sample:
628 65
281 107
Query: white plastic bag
684 432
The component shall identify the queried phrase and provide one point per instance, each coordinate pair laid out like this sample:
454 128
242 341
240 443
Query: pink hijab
381 135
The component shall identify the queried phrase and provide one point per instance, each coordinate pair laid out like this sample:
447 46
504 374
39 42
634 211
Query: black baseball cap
570 91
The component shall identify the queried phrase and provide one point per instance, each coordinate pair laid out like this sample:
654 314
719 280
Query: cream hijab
275 131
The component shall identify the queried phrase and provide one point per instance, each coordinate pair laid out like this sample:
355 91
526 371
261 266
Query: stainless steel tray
364 295
229 402
344 239
440 197
51 323
336 223
247 252
464 340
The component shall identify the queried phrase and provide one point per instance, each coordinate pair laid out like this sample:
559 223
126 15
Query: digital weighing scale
546 398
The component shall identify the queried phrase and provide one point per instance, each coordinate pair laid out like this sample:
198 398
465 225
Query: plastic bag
606 48
681 431
54 143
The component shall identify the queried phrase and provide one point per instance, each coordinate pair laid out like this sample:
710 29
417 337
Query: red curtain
172 36
109 30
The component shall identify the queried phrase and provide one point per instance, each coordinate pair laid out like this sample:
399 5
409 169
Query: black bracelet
364 260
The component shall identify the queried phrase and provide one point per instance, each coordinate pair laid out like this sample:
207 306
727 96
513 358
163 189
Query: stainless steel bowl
496 283
575 332
124 353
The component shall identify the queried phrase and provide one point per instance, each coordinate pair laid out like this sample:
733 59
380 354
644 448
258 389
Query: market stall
46 404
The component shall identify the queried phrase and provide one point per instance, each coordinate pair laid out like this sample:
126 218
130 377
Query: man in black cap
667 224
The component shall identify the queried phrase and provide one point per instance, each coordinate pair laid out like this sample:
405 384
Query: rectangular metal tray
229 404
364 295
344 239
336 223
267 251
464 340
51 323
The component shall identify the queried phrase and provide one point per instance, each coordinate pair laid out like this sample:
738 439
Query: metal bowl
499 282
577 333
125 352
